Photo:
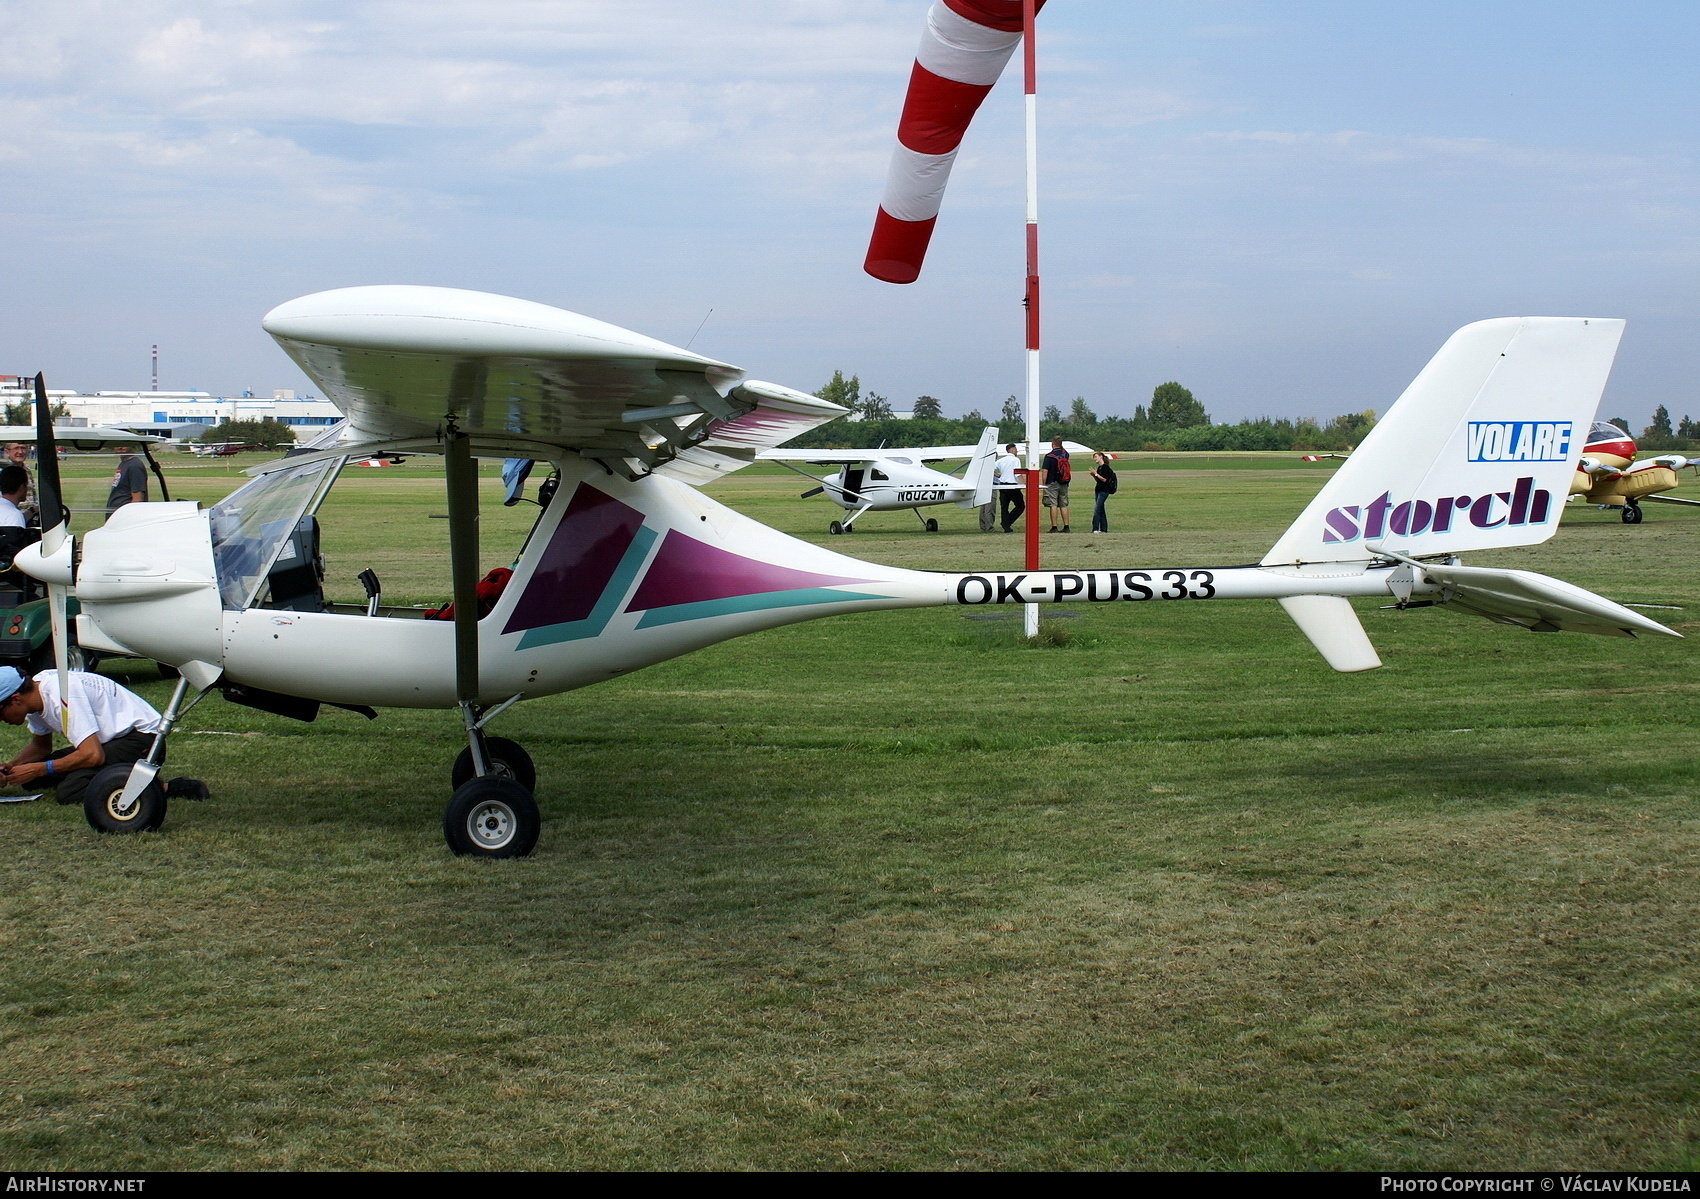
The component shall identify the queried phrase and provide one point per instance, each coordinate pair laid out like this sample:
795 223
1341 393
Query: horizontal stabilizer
1536 602
1333 627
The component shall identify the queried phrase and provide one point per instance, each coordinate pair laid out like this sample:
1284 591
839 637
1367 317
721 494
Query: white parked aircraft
889 480
629 564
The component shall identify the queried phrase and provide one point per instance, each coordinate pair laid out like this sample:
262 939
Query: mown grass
891 891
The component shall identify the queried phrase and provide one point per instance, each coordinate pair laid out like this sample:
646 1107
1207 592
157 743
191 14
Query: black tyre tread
146 816
520 766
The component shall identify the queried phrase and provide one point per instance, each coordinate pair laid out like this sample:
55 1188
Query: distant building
181 414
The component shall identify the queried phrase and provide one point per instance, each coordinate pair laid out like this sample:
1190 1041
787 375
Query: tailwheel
932 525
101 803
835 528
507 760
1632 514
491 817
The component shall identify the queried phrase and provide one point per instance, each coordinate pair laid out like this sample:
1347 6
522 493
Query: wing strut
460 470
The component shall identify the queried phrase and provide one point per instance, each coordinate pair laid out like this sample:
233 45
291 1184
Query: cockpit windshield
252 523
1605 432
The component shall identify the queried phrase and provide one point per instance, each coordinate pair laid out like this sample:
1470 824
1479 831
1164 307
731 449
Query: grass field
895 891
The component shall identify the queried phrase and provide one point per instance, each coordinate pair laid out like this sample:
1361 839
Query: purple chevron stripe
578 562
688 571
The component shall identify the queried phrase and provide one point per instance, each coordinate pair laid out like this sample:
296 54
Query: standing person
16 453
1057 476
1103 487
108 726
1006 481
129 481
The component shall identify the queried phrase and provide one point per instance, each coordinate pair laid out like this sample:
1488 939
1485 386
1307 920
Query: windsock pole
1029 78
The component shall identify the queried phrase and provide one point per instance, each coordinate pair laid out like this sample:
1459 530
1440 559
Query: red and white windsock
963 51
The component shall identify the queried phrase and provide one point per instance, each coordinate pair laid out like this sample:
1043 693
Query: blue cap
10 681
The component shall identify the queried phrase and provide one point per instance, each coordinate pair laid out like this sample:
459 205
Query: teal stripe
618 585
749 603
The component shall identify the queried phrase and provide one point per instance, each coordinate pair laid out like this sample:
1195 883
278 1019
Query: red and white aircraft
1610 476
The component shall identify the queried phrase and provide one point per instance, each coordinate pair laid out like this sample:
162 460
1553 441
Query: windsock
963 51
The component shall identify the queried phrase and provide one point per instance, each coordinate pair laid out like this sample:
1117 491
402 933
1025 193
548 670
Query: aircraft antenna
705 317
1030 98
156 368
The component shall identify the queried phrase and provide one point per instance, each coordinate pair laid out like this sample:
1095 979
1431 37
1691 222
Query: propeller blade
807 494
54 531
47 487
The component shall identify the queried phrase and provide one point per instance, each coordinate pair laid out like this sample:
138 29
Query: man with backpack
1056 477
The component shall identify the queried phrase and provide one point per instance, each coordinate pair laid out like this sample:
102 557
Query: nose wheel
1632 514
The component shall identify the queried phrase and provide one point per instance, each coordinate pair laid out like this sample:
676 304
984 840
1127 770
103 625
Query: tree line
1660 435
1174 420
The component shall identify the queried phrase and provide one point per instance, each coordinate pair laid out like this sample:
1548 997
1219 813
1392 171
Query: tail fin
978 475
1476 454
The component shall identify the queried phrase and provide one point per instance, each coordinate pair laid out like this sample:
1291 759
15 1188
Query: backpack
1064 473
1110 483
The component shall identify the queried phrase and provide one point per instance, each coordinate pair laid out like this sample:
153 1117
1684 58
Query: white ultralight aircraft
629 564
889 480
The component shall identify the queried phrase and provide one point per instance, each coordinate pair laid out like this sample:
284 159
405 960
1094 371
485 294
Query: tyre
100 803
835 528
508 760
1632 514
41 658
932 525
491 818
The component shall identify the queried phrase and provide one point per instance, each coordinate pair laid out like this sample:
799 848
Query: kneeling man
105 724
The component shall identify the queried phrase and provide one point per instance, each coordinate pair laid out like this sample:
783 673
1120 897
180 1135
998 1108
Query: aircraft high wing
532 378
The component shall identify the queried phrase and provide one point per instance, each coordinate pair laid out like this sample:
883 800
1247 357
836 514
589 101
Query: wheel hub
491 824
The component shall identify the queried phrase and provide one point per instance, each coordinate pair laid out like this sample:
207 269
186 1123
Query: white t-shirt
97 705
10 517
1003 472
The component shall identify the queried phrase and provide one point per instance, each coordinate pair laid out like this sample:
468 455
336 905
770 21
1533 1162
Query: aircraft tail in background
978 473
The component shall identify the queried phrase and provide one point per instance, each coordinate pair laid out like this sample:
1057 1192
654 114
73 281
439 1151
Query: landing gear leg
848 524
492 813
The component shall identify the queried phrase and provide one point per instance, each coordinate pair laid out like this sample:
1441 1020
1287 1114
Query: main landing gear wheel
1632 514
508 760
100 803
491 817
42 658
835 528
932 526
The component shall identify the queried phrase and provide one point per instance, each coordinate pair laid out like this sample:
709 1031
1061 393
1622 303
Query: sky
1286 207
